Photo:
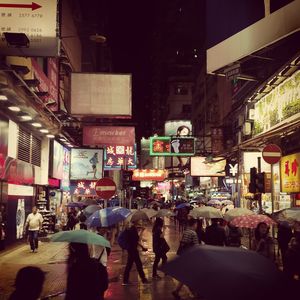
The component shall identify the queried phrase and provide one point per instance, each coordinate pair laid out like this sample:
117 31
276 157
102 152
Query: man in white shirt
34 224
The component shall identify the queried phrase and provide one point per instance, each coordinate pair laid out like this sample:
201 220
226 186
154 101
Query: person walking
262 243
284 235
159 245
188 240
234 236
215 234
34 224
86 277
133 254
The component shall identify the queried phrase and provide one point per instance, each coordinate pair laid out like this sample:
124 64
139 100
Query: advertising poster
58 158
290 173
178 128
86 164
201 167
3 144
65 182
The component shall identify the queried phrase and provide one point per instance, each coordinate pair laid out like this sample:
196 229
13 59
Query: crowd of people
92 261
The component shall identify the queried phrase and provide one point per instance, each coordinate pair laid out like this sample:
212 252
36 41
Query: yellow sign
290 173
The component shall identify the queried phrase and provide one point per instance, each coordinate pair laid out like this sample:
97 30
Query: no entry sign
105 188
271 154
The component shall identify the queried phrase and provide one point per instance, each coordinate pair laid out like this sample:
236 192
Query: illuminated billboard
149 175
290 173
178 128
105 95
172 146
118 156
200 166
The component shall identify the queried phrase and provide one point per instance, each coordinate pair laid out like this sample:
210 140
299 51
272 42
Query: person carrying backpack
133 238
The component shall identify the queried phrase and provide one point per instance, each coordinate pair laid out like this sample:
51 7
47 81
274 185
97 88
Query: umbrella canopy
138 215
182 205
89 210
237 212
288 214
251 221
224 272
80 236
164 213
214 202
89 201
108 216
76 204
150 212
206 212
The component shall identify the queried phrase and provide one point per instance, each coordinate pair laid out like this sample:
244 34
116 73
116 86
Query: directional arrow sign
33 5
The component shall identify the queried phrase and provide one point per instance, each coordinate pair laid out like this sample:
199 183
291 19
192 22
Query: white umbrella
150 212
206 212
164 213
237 212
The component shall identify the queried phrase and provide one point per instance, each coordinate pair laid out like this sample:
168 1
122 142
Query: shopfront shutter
36 150
24 141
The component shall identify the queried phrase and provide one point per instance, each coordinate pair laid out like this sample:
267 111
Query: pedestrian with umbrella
215 234
133 254
87 278
188 240
262 243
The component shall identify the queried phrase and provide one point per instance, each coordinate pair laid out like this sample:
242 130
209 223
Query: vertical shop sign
290 173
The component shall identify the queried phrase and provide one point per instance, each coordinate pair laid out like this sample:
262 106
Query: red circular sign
105 188
271 154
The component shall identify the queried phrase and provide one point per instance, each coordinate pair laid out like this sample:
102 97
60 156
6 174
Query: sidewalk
51 258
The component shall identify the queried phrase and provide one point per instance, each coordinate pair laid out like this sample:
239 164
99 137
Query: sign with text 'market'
172 146
108 135
149 175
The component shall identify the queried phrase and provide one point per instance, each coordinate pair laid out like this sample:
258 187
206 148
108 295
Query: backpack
123 239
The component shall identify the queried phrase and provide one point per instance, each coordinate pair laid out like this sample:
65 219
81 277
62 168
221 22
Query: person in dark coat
85 280
28 283
234 236
133 254
159 245
215 234
284 236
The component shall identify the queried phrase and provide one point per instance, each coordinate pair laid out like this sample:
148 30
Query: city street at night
149 150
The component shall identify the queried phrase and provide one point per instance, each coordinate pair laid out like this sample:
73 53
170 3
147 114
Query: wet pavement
51 258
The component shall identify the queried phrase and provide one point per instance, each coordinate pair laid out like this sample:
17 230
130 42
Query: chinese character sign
84 187
118 156
290 173
172 146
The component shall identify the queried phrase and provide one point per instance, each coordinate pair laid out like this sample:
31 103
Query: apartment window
181 90
29 148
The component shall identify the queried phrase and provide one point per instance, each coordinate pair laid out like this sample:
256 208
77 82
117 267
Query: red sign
108 135
149 175
105 188
271 154
54 182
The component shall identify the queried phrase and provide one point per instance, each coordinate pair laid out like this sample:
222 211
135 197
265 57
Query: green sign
172 146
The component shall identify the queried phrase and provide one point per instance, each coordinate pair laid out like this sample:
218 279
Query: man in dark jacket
133 254
215 234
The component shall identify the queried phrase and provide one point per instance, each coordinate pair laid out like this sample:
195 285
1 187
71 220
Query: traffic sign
271 154
105 188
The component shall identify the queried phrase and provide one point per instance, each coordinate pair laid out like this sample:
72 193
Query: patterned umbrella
237 212
251 221
214 202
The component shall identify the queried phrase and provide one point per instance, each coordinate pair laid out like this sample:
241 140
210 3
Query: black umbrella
226 273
